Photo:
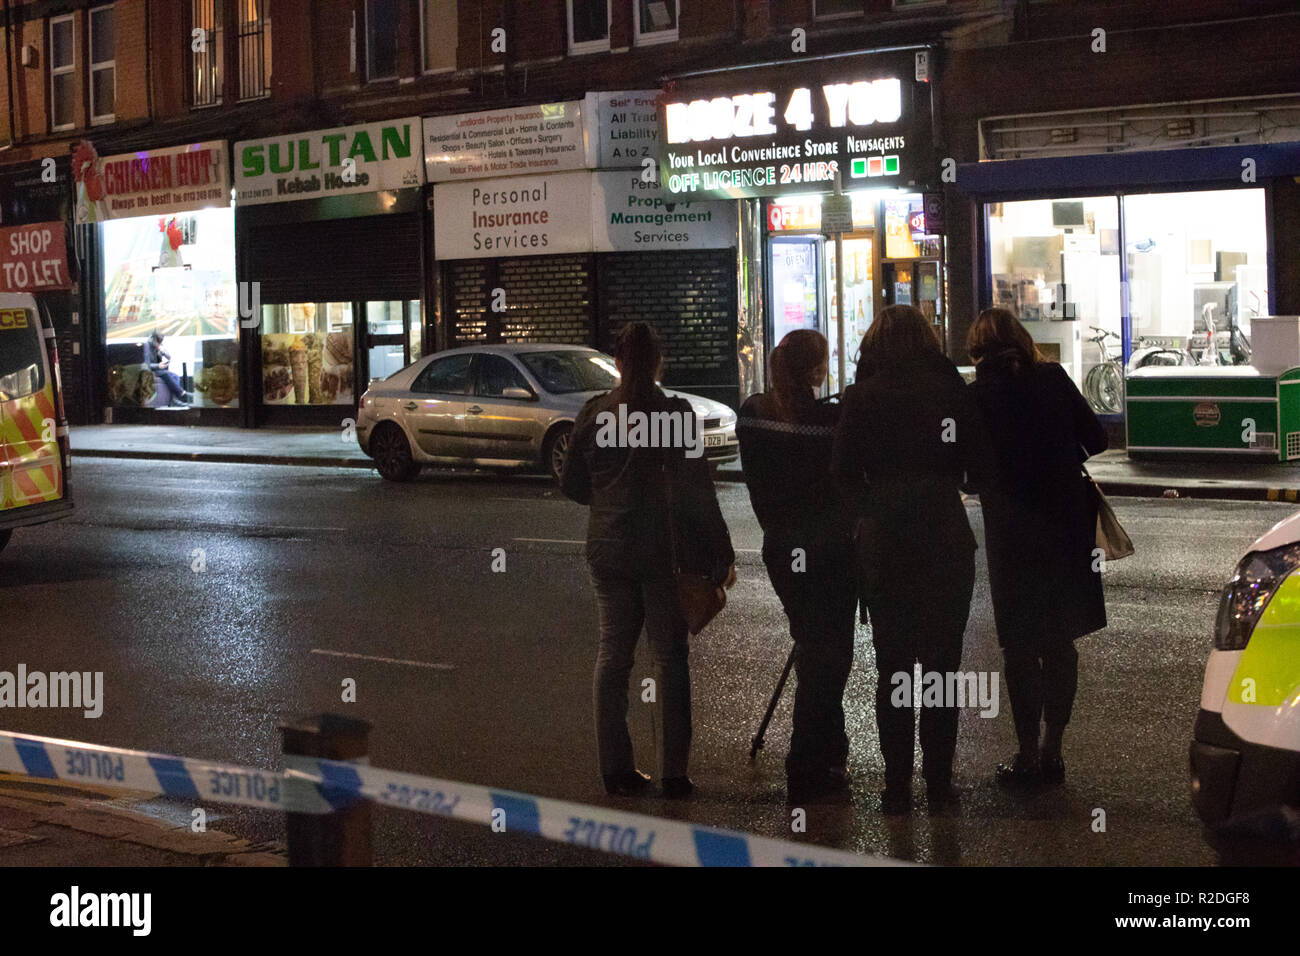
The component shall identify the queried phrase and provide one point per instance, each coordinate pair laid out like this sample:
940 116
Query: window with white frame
103 65
63 73
832 9
439 34
656 21
381 40
588 25
254 49
207 35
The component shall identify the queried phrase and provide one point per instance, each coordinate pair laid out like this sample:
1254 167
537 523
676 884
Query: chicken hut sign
150 182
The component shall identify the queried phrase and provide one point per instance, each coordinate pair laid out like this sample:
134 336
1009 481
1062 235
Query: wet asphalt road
304 567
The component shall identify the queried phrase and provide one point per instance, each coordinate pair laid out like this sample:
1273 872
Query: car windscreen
22 366
571 370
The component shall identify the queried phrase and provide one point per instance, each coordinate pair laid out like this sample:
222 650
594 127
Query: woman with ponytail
785 446
634 494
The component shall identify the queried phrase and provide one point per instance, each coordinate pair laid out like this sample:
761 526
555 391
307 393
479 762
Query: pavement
63 824
1114 471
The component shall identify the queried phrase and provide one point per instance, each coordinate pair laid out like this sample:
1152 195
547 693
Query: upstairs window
207 35
63 76
254 49
103 66
588 26
381 40
439 34
656 21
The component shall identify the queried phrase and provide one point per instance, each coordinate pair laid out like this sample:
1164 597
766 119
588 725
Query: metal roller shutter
337 260
546 299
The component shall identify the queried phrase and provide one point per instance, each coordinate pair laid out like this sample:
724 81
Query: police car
33 429
1245 755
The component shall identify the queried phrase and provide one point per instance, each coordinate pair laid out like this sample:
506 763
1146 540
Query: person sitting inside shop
157 359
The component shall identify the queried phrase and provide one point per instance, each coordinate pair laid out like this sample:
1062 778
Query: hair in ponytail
639 355
796 368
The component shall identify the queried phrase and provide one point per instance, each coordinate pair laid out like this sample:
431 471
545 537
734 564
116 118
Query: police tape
314 786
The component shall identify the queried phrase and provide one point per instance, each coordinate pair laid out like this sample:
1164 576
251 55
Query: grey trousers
625 605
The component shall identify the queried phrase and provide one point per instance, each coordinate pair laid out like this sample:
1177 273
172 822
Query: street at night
317 575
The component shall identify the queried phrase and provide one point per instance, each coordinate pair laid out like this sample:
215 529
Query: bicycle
1103 386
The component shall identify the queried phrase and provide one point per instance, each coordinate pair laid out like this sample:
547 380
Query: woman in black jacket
630 553
1040 521
785 446
908 437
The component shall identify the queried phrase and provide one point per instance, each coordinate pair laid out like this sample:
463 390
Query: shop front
1143 266
160 253
782 139
573 254
331 258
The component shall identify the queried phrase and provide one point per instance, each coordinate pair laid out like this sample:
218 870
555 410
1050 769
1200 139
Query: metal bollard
341 838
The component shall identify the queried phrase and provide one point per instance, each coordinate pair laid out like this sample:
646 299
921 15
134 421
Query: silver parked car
500 405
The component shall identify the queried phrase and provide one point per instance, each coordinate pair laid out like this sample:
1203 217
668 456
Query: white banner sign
509 142
153 182
329 162
519 216
630 215
627 127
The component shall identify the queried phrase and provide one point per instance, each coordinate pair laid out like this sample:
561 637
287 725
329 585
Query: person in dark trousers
1040 522
158 360
785 448
632 559
908 437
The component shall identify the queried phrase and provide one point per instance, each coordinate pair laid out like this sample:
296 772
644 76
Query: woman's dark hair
998 330
156 336
898 333
796 362
638 353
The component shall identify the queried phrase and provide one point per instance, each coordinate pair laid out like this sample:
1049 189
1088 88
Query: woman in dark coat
785 445
1040 521
631 557
908 437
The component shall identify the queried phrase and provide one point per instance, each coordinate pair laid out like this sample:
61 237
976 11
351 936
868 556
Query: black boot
678 788
1020 772
634 783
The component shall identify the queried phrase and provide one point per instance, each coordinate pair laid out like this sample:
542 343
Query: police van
1245 754
33 428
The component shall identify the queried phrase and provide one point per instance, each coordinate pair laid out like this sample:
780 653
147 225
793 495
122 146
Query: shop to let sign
510 142
793 138
329 162
34 258
152 182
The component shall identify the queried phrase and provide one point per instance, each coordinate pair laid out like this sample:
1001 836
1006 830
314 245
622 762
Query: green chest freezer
1214 411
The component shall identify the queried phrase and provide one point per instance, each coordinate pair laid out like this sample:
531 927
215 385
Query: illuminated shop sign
794 139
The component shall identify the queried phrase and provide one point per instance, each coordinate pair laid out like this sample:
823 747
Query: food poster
309 368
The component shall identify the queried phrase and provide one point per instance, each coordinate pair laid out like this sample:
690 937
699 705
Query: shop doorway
393 337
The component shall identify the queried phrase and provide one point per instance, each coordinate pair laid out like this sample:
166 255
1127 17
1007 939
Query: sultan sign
795 138
328 162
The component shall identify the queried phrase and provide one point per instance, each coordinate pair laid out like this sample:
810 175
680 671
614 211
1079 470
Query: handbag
698 598
1112 539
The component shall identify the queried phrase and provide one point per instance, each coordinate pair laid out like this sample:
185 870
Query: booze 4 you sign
340 161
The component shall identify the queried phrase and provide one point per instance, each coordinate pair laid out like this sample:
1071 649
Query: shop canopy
1014 178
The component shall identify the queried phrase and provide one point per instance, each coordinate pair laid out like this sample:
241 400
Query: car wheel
4 538
392 453
557 449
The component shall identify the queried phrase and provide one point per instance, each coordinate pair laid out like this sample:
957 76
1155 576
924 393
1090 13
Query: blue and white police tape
671 842
53 759
316 786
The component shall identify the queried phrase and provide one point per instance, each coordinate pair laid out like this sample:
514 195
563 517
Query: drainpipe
9 75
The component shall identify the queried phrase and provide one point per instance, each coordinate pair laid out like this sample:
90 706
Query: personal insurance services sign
329 162
792 138
545 138
518 216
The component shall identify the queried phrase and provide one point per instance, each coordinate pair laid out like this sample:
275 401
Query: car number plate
712 440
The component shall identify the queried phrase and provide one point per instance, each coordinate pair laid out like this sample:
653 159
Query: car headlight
1258 577
728 418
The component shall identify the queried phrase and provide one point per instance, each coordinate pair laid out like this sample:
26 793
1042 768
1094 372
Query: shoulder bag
698 597
1112 539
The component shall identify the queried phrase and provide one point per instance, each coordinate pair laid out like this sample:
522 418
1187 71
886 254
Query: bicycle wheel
1110 388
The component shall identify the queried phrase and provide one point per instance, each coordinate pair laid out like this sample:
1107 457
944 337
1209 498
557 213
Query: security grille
525 299
1292 445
